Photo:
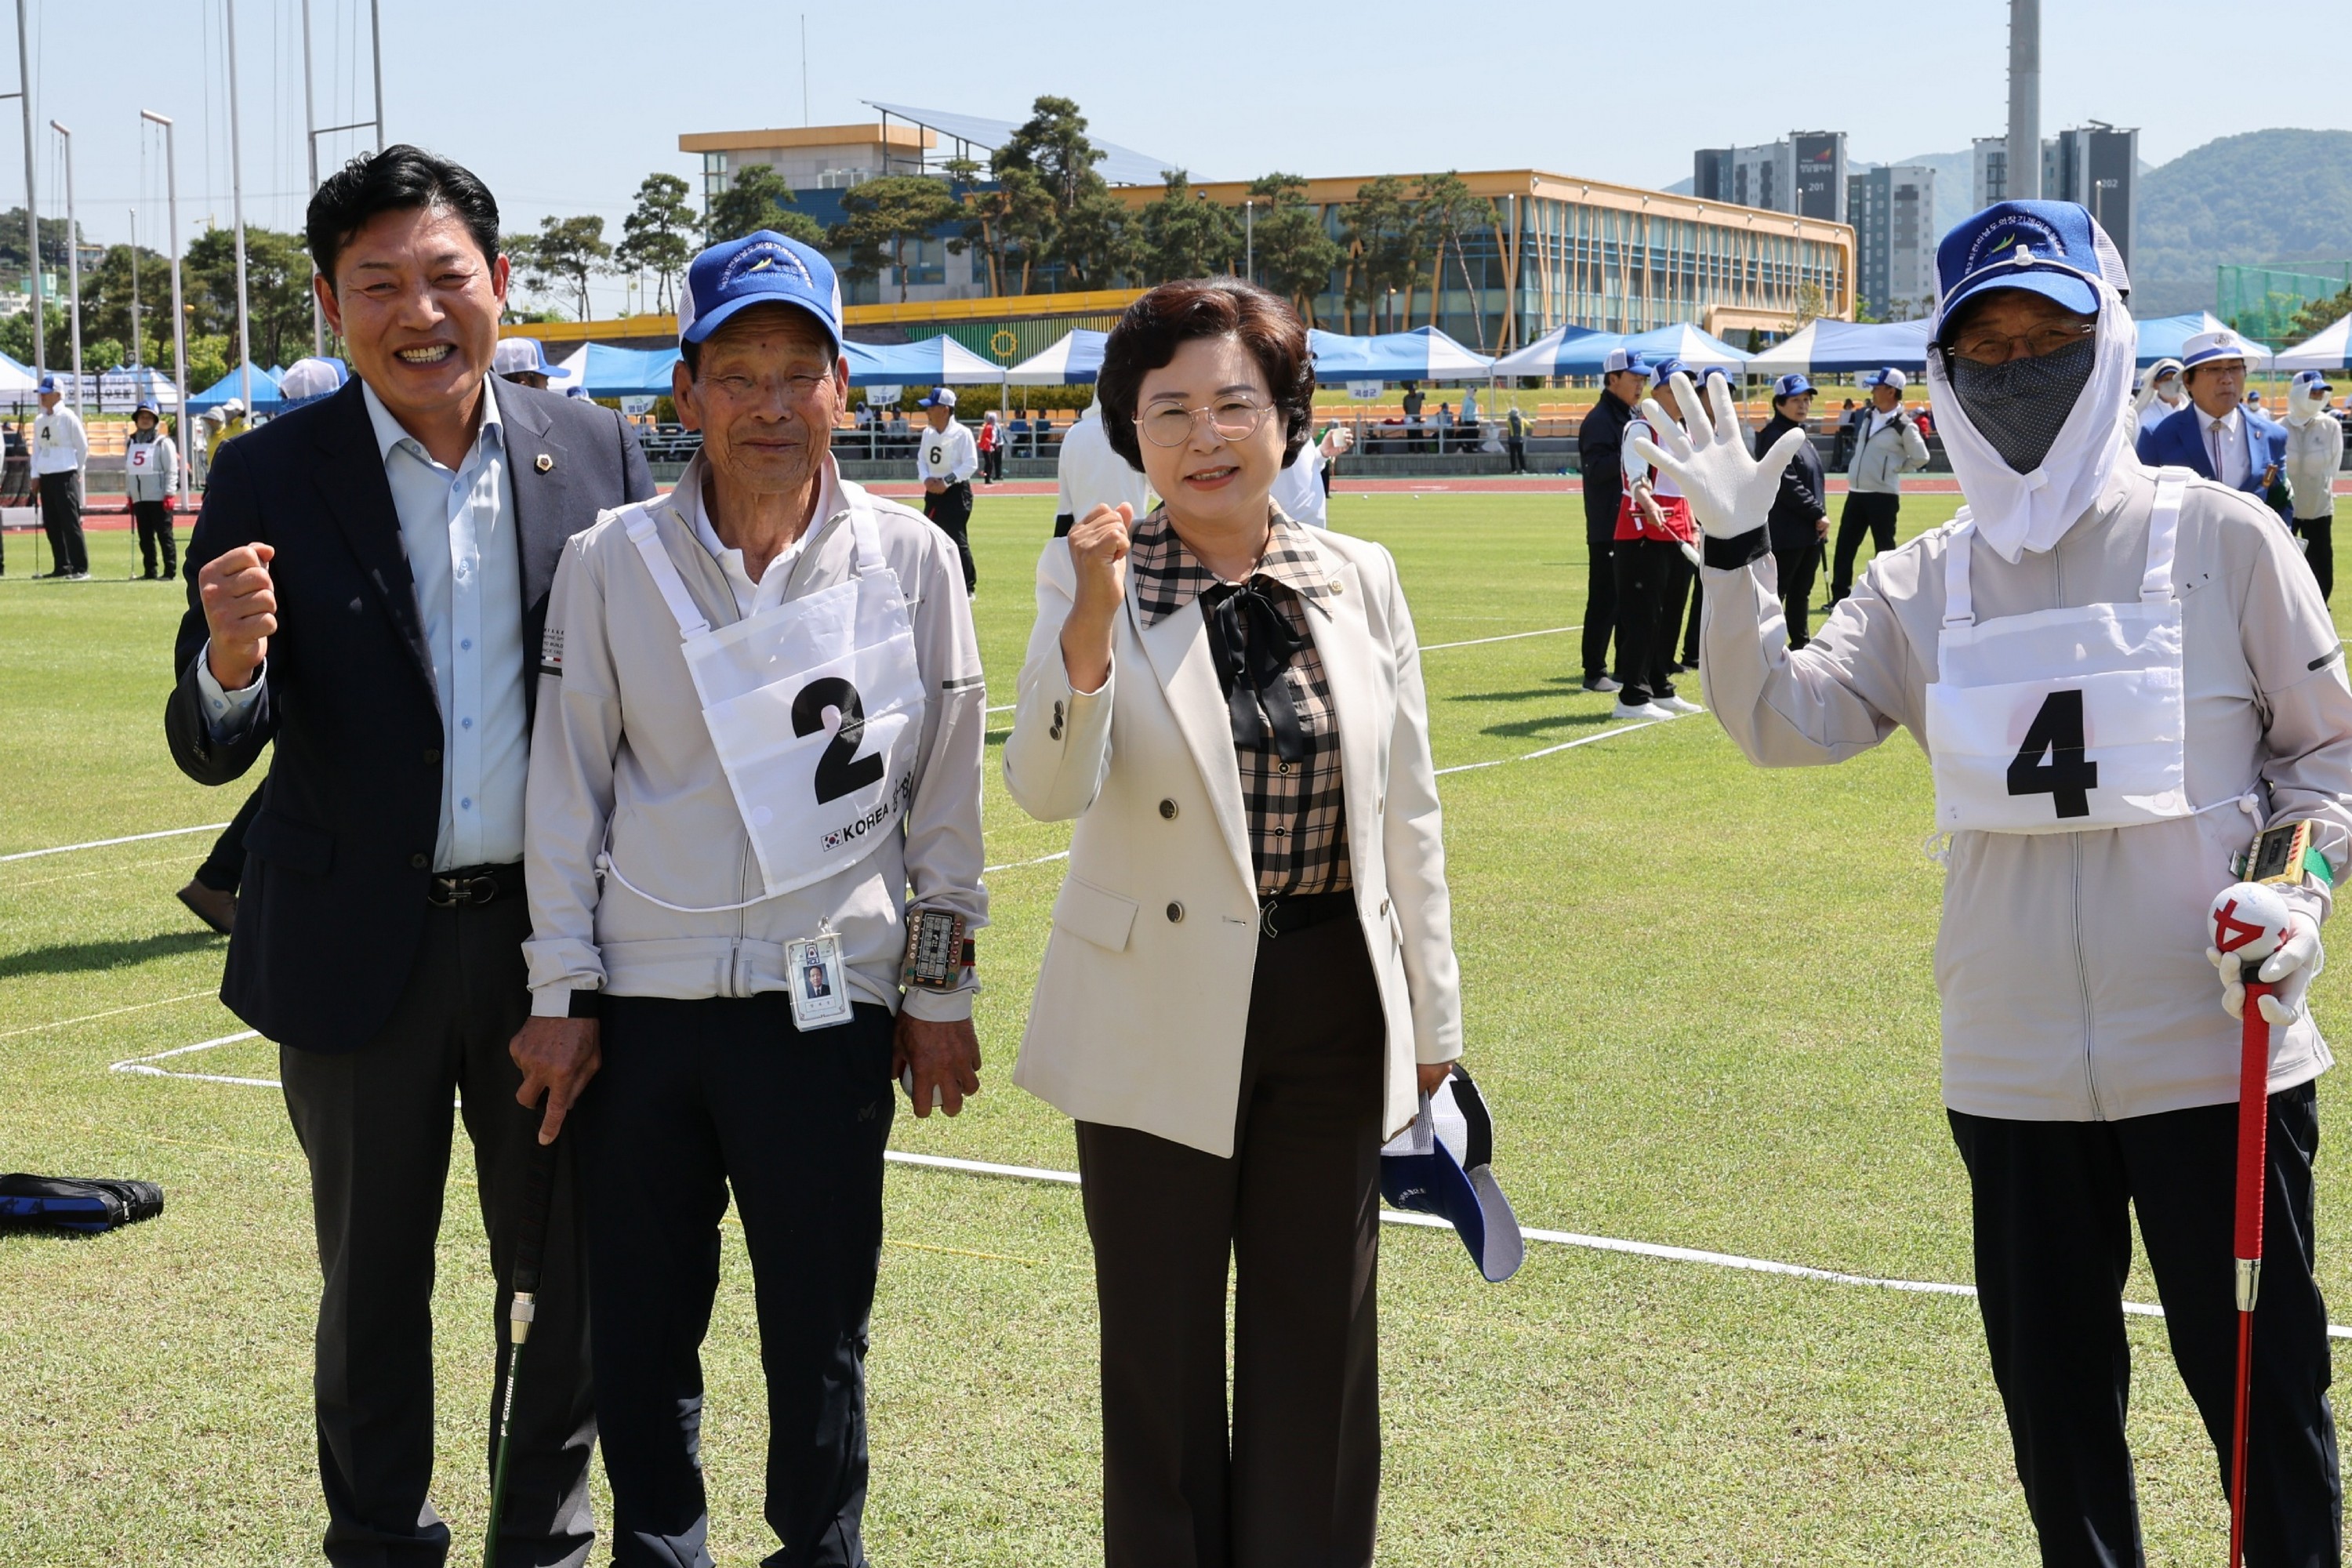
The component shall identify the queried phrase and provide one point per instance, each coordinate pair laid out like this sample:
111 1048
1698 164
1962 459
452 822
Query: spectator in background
1092 473
2159 395
1653 531
945 460
523 361
1412 406
231 425
1888 445
60 453
1515 439
1445 428
16 478
2315 452
1470 408
1849 421
151 474
1800 521
992 450
1597 443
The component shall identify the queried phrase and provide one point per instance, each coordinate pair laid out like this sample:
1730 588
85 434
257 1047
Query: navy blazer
333 906
2179 441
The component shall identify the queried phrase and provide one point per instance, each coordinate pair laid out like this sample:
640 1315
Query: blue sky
563 107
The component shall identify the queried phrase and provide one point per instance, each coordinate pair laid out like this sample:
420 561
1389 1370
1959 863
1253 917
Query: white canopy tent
2331 349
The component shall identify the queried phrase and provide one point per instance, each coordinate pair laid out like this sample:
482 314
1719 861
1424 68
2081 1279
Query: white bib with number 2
2063 719
815 708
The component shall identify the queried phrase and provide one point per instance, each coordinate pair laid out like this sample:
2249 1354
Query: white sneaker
1677 705
1649 711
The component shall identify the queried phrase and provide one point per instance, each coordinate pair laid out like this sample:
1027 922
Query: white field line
1547 750
1387 1216
1433 647
102 843
111 1012
1017 865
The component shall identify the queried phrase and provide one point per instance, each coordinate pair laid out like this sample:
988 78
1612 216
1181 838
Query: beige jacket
620 749
1882 458
1140 1008
2071 966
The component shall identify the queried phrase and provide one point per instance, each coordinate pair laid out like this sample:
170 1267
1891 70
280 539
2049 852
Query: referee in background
945 460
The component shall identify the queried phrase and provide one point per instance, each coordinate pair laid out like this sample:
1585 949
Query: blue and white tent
608 372
2163 337
934 361
1423 353
265 398
1834 348
2331 350
1698 350
1073 362
1563 351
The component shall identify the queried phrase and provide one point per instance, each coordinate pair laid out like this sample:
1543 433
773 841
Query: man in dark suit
368 587
2216 434
1599 459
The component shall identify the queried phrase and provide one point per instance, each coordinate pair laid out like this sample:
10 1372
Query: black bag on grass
84 1206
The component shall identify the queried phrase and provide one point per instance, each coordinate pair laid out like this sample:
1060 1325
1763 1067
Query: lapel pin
1337 587
543 463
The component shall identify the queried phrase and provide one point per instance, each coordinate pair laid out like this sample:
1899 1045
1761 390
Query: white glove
1730 493
2291 968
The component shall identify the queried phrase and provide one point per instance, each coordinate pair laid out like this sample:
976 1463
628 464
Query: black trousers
1600 603
224 870
1868 512
1294 1217
1646 570
1796 569
61 520
950 511
1516 448
2318 536
154 519
2054 1203
1685 588
375 1125
697 1096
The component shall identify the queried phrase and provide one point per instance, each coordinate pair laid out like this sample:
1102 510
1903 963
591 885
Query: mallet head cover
2250 920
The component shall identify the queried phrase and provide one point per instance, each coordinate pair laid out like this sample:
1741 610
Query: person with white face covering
2160 395
2118 674
2315 451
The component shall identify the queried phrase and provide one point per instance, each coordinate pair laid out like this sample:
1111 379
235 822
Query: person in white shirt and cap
60 453
1888 445
150 476
753 846
2219 434
1090 474
2160 396
2119 675
1300 488
522 361
2315 452
946 457
308 380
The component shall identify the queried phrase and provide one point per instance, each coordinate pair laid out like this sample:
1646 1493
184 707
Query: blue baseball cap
1443 1165
1666 369
760 268
48 385
2053 249
1793 384
1623 359
520 356
146 405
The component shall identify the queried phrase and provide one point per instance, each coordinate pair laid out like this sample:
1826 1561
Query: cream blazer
1140 1010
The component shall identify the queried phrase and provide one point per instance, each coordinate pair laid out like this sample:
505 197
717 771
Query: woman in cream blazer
1251 975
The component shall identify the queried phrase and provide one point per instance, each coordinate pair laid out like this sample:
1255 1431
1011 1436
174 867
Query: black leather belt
1284 913
470 886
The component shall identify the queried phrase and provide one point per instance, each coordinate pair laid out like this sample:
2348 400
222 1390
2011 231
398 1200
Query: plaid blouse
1298 819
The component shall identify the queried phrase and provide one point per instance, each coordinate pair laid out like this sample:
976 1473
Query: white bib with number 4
815 708
2064 719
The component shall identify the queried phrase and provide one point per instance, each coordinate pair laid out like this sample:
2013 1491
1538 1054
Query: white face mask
2016 513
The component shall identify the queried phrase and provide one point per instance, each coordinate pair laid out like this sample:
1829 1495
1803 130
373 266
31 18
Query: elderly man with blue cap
1888 445
2119 675
1801 518
754 862
2219 434
60 453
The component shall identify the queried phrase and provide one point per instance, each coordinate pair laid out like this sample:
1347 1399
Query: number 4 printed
2067 777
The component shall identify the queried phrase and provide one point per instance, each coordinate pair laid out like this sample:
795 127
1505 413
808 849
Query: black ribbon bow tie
1252 644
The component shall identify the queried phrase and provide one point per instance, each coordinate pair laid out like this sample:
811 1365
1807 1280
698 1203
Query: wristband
2284 855
938 953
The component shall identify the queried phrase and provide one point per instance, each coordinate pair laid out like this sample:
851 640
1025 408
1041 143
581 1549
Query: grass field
1760 1079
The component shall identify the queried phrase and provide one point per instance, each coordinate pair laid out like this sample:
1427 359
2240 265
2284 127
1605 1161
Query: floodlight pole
179 316
73 266
2024 99
237 205
24 97
134 294
311 141
375 46
1249 239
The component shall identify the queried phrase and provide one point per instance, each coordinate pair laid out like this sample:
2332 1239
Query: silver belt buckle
1265 926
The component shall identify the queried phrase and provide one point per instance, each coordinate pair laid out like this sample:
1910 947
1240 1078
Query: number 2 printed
840 770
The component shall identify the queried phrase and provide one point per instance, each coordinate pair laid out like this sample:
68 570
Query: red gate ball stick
2249 922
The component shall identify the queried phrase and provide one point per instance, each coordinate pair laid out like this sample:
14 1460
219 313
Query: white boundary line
102 843
143 1065
1433 647
1017 865
1548 750
111 1012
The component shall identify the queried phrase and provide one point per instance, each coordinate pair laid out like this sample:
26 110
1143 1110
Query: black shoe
1601 683
148 577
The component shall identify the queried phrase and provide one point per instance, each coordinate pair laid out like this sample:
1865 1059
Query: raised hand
1098 545
240 611
1730 492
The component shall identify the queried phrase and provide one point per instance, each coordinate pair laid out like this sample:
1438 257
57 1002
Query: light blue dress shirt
459 529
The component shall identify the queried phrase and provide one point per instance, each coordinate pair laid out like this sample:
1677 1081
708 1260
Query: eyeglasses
1233 418
1999 348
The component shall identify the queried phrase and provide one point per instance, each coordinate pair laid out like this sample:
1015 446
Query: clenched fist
240 610
1099 546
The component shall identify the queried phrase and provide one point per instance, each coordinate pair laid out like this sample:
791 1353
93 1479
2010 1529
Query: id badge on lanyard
820 990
